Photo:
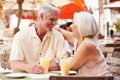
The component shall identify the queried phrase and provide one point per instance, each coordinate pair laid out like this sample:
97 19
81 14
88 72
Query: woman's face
75 32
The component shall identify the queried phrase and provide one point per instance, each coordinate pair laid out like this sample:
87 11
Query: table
3 77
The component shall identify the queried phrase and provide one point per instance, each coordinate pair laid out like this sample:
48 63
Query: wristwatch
58 61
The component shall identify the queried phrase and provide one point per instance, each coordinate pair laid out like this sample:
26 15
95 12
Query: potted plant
117 25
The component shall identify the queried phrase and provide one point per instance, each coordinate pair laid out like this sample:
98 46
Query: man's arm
18 65
66 34
54 66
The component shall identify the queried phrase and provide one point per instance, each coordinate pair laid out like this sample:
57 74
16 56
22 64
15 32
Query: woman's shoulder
89 47
90 43
89 50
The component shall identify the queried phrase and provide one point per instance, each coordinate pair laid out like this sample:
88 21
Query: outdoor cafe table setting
6 74
10 75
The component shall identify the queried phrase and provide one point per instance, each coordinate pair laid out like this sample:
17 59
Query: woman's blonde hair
86 24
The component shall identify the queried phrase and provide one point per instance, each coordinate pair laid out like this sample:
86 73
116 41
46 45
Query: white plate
5 71
70 72
15 75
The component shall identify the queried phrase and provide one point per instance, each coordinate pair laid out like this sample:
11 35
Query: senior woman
88 58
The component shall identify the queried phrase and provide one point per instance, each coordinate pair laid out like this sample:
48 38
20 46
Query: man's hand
20 66
35 69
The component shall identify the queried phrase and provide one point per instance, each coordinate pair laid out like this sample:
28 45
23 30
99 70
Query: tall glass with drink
65 66
44 62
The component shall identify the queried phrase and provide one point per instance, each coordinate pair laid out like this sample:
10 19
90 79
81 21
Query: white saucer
5 71
70 72
15 75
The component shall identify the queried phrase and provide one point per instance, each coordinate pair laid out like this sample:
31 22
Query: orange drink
64 66
44 62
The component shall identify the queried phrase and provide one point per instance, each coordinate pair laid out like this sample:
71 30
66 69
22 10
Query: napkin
40 75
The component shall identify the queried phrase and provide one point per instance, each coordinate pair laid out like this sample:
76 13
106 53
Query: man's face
50 20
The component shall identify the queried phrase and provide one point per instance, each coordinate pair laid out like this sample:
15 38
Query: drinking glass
65 66
44 62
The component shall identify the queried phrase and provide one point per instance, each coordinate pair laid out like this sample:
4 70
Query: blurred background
18 14
106 12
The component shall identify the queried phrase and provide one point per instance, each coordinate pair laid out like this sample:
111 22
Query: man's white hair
46 7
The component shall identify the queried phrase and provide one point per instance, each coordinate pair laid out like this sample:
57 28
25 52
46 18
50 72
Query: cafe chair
112 54
81 78
4 60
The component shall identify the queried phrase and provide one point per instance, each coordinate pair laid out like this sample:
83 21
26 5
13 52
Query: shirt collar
33 32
